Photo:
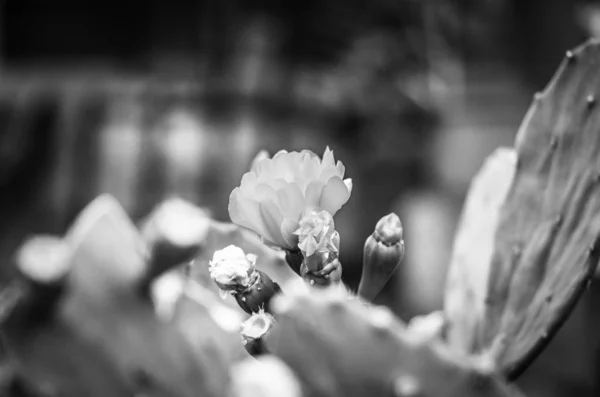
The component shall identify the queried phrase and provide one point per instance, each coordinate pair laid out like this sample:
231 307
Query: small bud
252 331
319 244
389 230
383 252
267 376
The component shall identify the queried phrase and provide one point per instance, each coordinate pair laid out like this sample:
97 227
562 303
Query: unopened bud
319 244
232 270
383 252
389 230
317 235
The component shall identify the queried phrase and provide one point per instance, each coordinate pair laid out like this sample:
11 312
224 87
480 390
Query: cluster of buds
319 244
235 273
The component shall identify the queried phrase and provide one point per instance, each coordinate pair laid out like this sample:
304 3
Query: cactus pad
546 242
340 347
102 307
467 280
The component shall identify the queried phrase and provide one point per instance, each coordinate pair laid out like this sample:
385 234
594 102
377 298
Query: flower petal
260 156
335 194
245 212
349 185
308 246
249 180
272 218
328 160
288 226
312 195
262 191
341 169
310 153
291 201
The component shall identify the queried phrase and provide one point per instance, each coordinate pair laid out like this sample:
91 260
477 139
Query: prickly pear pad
469 271
546 243
338 346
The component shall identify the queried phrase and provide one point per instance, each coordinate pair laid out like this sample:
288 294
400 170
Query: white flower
275 193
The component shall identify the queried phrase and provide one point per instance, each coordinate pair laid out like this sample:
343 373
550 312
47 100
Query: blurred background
146 99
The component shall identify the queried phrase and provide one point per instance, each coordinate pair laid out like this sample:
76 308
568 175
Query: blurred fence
66 139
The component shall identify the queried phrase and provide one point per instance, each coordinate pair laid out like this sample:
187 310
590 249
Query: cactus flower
383 252
276 192
235 273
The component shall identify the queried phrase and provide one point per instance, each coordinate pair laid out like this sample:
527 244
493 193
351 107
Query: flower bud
232 270
235 273
253 329
319 244
317 238
383 252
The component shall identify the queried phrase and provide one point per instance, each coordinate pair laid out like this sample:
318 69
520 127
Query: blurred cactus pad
112 308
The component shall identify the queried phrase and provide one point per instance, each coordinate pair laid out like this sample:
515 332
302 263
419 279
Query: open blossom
232 269
276 192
